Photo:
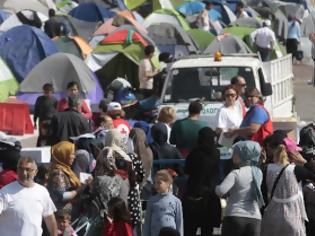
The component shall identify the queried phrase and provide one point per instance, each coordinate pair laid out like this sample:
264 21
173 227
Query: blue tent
91 12
191 8
3 15
23 47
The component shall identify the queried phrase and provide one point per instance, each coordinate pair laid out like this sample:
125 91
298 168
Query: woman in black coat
201 206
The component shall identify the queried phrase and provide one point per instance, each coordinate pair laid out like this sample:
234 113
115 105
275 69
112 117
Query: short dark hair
63 215
240 4
235 79
195 107
148 50
48 87
71 84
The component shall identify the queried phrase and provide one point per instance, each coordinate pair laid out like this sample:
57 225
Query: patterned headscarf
61 160
249 153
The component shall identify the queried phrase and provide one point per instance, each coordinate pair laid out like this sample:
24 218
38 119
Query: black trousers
240 226
264 53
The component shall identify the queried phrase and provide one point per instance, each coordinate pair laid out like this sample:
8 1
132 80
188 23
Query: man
69 123
265 39
184 132
240 11
240 85
45 108
115 111
24 204
203 20
147 72
74 90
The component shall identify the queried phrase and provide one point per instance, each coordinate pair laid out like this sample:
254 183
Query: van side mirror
266 89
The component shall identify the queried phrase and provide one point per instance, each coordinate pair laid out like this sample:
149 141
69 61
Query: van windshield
206 83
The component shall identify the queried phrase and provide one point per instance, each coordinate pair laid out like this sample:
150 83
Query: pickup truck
204 76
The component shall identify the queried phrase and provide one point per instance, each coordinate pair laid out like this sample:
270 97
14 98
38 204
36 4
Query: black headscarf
207 138
10 155
159 133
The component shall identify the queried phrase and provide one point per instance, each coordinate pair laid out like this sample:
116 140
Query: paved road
304 92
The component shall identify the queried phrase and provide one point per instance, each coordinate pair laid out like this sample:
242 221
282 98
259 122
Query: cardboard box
39 154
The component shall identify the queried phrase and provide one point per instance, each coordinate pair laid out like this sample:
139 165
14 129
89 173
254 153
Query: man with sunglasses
239 84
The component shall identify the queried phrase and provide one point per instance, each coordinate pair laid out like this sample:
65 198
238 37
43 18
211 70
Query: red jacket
7 177
265 129
84 108
117 228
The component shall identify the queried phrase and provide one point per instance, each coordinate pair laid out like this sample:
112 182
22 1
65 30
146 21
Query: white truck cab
204 76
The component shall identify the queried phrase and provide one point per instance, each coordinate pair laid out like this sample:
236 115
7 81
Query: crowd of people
102 179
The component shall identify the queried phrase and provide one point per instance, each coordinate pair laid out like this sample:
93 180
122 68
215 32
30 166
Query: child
63 221
164 209
118 219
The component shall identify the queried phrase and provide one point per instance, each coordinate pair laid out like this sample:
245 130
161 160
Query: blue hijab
249 153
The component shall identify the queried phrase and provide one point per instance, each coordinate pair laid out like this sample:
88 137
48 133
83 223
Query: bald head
240 84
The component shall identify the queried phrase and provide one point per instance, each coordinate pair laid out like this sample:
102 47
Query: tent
8 84
201 38
250 22
23 47
119 55
166 16
64 6
227 44
91 12
107 3
73 45
190 8
60 69
36 5
226 14
14 20
68 22
4 14
172 38
122 18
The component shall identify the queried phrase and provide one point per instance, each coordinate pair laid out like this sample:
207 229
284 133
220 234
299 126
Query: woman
256 124
285 212
242 213
229 116
63 184
201 206
167 116
143 151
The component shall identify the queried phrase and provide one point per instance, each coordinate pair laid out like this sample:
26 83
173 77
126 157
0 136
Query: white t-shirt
23 209
145 66
263 37
203 20
228 118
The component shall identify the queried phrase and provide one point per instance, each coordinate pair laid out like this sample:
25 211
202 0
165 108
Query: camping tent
14 20
172 38
107 3
91 12
36 5
60 69
8 84
166 16
73 45
227 44
23 47
119 55
201 38
4 14
190 8
250 22
122 18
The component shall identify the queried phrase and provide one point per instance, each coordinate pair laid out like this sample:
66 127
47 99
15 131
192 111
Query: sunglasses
233 95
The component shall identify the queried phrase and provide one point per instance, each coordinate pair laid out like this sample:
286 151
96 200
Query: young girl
164 209
63 221
118 219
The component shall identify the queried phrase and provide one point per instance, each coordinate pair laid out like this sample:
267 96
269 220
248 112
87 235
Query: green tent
131 4
184 24
8 84
201 38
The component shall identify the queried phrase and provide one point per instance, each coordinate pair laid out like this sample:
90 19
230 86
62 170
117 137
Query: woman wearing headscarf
63 184
128 167
242 213
201 205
